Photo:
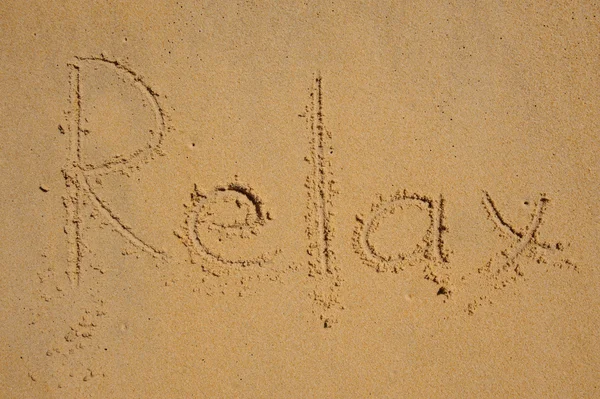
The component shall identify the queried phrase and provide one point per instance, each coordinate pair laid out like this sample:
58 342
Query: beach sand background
298 200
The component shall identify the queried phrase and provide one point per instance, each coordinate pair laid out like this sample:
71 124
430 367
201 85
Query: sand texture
299 200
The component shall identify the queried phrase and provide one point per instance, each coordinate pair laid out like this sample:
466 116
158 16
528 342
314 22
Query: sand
299 200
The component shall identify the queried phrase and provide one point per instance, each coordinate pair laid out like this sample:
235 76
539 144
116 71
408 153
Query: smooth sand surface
299 200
